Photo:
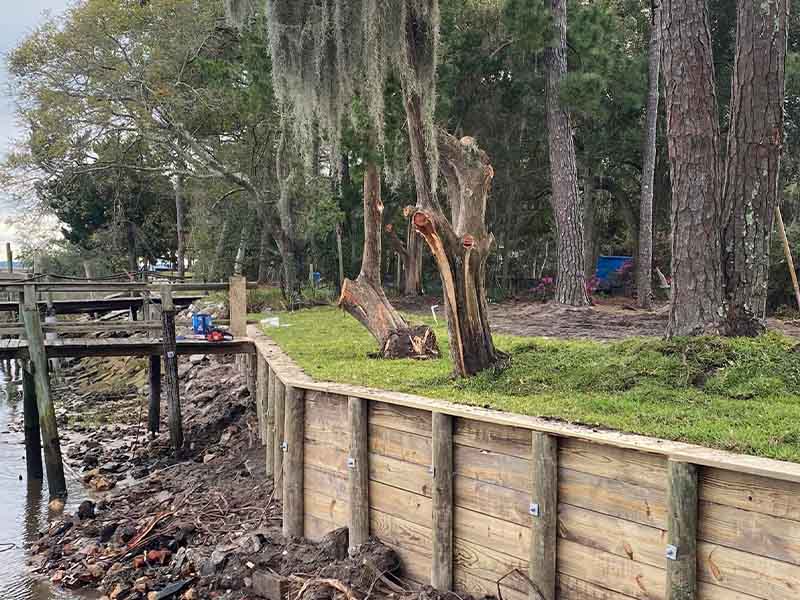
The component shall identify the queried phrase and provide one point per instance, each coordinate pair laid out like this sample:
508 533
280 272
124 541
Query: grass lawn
741 395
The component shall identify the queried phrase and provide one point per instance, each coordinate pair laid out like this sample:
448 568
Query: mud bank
201 523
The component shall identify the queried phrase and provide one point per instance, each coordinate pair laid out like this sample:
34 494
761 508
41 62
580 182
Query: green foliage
707 391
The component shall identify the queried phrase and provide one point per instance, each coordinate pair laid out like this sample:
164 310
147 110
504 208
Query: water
23 506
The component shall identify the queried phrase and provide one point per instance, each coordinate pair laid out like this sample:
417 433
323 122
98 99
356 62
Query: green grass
741 395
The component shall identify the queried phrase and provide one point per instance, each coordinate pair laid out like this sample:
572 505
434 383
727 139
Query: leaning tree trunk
215 270
364 298
644 273
693 141
180 204
755 146
570 281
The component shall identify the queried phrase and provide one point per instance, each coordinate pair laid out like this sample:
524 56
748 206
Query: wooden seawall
476 496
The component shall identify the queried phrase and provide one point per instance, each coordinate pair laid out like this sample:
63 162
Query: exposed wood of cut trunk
570 281
693 142
755 146
364 298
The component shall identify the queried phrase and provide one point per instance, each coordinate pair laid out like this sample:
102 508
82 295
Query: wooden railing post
154 409
9 257
293 463
544 516
171 367
280 405
269 418
682 503
33 441
358 466
238 305
44 400
442 563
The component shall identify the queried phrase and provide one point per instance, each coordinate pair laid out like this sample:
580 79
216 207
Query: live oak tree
722 210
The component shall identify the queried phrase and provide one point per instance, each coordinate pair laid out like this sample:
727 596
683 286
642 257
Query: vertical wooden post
681 531
33 441
9 257
171 367
154 409
442 563
358 465
293 463
262 387
280 405
238 305
544 516
146 306
269 421
44 400
251 375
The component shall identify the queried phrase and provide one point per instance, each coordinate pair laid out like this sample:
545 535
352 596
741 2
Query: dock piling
44 400
171 367
154 409
33 440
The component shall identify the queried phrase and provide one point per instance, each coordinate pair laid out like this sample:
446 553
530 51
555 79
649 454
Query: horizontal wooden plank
403 418
500 469
630 466
325 458
706 591
400 533
493 500
500 439
325 421
502 536
488 564
400 503
750 492
401 474
610 571
413 566
633 541
326 507
750 531
327 482
288 372
315 528
747 573
401 445
611 497
571 588
468 583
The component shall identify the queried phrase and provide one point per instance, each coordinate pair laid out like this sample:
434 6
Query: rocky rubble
201 523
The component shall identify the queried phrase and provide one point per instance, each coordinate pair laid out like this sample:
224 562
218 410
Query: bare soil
609 319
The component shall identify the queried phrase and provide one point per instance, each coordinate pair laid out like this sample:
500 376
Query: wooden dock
81 348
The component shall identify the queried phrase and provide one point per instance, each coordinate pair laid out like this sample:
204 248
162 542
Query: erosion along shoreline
200 523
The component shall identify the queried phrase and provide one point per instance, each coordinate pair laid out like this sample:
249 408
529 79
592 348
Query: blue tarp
606 265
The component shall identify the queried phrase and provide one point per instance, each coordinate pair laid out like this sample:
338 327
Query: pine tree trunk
179 226
241 251
133 255
570 283
693 141
364 298
412 275
589 228
755 146
644 273
265 239
215 271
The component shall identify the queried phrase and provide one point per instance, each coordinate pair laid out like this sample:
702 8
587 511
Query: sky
19 18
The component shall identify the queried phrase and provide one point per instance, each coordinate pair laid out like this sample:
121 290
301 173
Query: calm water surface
23 505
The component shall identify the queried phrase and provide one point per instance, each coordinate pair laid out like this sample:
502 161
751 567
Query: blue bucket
201 323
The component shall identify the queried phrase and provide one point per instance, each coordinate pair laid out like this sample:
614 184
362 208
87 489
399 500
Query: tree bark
570 281
180 203
755 147
215 270
410 255
364 298
589 228
264 245
241 251
644 264
287 240
130 238
693 142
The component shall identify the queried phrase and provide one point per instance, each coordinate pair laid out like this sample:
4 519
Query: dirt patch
609 319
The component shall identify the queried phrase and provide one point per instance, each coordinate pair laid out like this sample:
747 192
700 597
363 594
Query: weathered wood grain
499 439
544 523
401 474
442 502
359 472
402 418
280 422
682 514
401 445
629 466
749 492
493 500
501 469
293 508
